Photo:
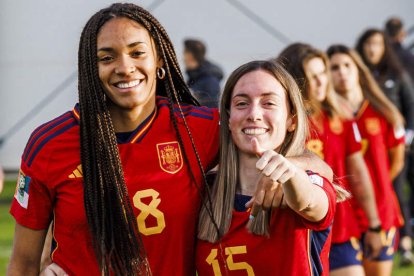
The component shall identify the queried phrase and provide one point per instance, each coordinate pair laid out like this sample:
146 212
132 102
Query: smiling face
344 72
127 63
317 76
259 108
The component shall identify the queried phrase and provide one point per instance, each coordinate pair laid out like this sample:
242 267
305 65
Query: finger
285 177
269 196
278 198
257 202
57 270
271 165
266 157
249 203
257 149
255 210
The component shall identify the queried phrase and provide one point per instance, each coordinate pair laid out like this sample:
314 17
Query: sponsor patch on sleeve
22 189
316 179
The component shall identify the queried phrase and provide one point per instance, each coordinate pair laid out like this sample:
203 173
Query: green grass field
7 229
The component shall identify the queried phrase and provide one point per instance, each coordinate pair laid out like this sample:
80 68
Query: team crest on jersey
169 157
22 189
373 126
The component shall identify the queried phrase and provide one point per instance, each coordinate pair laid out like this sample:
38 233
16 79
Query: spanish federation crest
22 189
169 157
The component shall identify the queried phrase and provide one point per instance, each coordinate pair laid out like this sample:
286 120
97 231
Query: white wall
39 41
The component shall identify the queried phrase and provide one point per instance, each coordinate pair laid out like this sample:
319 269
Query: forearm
362 189
310 161
396 156
17 268
305 198
27 250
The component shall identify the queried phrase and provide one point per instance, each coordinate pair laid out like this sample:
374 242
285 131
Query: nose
255 113
125 66
318 81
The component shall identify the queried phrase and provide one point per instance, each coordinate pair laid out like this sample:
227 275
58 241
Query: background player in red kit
334 136
120 174
382 132
263 115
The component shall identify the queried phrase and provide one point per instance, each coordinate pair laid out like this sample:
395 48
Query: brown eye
105 59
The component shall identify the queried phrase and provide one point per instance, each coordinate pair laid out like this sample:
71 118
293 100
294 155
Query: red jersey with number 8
164 197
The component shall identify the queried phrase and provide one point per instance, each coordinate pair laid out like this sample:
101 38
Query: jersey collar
136 135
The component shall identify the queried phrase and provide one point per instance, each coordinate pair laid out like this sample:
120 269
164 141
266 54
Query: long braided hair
117 242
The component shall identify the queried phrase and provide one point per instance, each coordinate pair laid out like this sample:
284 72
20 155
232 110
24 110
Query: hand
53 270
372 245
276 170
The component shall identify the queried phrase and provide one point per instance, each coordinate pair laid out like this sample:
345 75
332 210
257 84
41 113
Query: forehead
315 64
341 58
375 37
121 29
257 83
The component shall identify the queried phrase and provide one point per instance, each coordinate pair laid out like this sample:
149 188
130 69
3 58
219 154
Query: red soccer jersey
295 246
334 140
378 136
166 201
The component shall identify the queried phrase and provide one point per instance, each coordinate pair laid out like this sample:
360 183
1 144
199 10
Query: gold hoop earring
160 73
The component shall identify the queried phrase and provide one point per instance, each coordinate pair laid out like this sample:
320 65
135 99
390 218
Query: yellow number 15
230 251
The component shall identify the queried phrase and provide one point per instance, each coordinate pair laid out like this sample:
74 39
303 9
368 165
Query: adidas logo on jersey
77 173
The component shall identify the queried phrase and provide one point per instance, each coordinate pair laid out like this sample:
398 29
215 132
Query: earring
160 73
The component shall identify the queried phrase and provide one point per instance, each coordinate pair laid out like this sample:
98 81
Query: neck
355 97
126 120
248 174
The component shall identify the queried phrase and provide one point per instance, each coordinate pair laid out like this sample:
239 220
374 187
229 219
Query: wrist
375 229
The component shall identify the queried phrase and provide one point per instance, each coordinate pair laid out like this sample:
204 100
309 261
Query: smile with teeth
254 131
124 85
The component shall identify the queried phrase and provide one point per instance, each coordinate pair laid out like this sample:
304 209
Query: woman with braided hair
122 174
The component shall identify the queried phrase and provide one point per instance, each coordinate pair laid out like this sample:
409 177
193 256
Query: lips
125 85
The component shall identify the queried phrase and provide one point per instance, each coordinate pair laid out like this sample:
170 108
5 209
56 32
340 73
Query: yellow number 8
150 209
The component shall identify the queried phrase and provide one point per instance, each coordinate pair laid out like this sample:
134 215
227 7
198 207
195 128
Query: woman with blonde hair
382 132
263 124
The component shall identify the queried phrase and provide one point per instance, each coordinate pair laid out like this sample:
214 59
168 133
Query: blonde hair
224 188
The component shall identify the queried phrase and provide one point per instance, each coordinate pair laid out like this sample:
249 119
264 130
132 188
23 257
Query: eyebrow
244 95
109 49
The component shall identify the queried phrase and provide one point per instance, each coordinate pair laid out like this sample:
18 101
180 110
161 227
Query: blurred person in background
395 82
394 29
203 76
382 130
334 136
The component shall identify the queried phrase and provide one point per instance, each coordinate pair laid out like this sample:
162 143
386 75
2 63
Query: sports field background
7 229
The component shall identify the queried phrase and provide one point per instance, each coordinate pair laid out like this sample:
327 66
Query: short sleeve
32 202
393 136
328 188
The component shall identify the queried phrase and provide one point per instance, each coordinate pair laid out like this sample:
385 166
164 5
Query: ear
160 62
292 122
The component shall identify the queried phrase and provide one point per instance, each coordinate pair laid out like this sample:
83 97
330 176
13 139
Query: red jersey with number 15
164 197
295 246
333 140
378 137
